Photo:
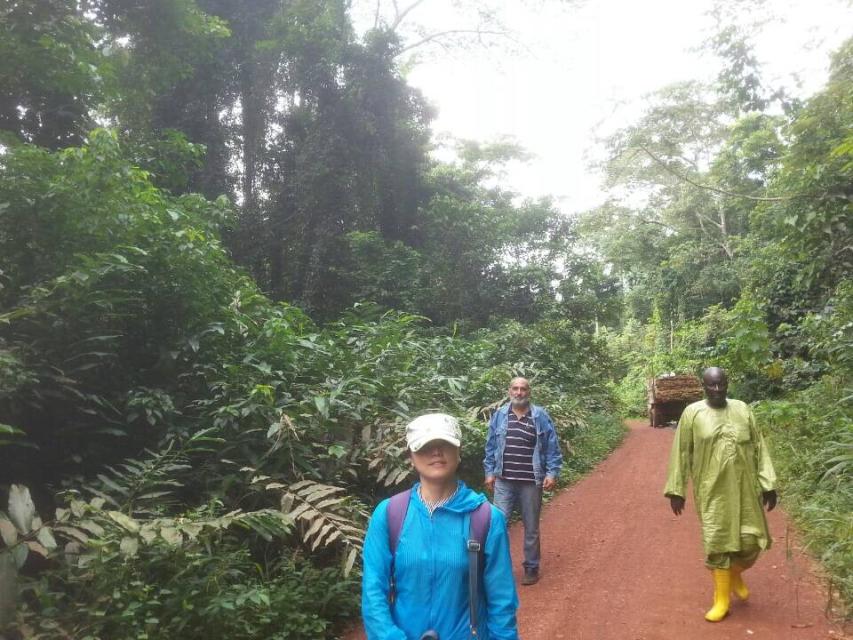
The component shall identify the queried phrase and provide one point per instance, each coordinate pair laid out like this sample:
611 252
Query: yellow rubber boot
738 585
722 586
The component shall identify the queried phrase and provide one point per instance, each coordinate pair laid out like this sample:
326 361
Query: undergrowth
590 444
812 448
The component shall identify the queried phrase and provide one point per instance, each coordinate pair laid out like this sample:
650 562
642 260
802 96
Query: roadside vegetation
752 272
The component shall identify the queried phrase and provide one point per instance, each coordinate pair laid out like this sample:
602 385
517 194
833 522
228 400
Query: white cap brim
417 443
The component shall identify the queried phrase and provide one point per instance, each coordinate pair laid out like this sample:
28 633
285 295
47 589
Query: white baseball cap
432 426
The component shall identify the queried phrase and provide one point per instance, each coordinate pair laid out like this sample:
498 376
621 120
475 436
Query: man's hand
490 483
548 484
676 503
769 498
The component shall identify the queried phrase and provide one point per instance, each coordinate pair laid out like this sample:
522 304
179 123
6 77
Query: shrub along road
617 564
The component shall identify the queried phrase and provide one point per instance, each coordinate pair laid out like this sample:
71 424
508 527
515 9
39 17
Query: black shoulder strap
478 529
398 505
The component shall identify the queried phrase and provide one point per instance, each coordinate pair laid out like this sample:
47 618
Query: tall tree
52 72
805 236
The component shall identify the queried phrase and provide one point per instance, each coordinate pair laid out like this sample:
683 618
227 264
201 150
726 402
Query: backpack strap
398 505
480 521
478 529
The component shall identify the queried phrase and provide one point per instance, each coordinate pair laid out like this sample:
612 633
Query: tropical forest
233 267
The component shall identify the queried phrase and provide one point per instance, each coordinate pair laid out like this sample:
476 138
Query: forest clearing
238 256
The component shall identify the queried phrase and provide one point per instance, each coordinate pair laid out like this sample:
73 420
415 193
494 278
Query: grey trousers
528 497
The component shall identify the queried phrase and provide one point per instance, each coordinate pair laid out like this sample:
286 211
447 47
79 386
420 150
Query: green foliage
631 392
14 376
829 333
187 591
589 443
744 346
50 77
685 247
811 446
186 571
740 79
813 224
341 401
386 273
107 282
319 139
641 352
473 254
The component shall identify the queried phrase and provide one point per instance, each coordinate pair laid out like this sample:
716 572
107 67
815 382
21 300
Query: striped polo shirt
520 440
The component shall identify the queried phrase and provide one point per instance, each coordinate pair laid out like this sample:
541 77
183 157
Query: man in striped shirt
523 458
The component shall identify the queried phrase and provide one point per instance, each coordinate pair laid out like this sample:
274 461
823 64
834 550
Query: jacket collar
464 500
535 409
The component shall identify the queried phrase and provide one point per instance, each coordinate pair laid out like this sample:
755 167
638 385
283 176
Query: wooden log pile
678 388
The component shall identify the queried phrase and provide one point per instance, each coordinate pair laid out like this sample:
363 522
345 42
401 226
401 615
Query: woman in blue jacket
431 558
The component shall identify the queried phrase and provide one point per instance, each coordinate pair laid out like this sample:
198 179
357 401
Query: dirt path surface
618 565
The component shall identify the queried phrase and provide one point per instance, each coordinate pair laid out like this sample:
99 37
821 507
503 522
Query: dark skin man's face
716 385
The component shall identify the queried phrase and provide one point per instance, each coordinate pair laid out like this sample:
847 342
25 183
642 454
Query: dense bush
106 283
590 443
199 593
812 449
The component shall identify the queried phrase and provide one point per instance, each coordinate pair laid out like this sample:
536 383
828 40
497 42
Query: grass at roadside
812 451
590 444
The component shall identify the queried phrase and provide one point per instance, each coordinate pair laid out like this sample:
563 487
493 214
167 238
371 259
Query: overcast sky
584 68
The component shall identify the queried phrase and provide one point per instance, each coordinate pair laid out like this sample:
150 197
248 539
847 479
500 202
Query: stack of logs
679 388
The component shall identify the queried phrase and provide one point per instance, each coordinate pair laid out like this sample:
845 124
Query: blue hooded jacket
431 572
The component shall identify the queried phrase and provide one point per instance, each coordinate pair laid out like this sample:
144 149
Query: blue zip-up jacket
547 456
431 574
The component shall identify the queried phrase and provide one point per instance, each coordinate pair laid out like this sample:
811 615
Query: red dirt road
618 565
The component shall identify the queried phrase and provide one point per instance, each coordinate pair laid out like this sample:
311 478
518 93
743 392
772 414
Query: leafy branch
724 192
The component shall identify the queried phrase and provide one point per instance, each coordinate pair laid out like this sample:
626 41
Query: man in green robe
718 446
